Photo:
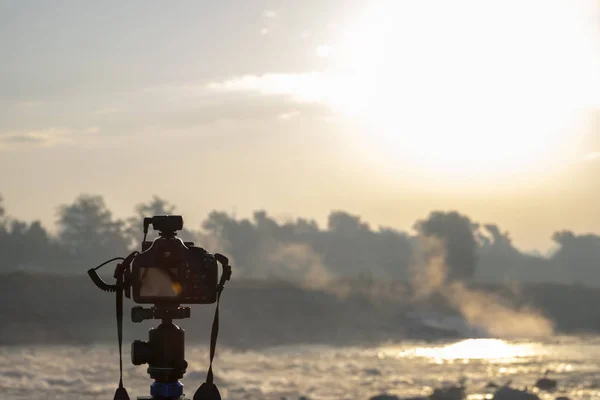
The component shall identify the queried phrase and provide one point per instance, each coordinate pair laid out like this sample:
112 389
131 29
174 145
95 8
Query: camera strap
121 392
208 390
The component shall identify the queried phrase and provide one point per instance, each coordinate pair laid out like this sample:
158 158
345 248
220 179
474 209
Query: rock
546 383
385 397
372 372
451 393
507 393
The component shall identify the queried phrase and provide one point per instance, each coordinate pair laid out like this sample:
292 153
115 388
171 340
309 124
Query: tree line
87 233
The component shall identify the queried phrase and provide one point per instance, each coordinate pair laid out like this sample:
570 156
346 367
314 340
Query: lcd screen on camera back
159 282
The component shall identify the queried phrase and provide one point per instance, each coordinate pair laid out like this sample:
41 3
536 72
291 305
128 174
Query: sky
385 109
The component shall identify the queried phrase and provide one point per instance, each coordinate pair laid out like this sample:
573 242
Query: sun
469 88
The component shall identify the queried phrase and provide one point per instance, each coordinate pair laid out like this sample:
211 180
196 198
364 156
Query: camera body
169 271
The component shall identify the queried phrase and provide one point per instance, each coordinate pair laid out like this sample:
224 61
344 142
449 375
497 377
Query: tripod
164 352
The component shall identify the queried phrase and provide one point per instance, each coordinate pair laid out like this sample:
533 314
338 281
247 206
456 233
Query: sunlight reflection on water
470 349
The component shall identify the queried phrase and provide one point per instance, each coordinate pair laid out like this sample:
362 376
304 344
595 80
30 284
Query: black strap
120 271
121 393
208 390
214 332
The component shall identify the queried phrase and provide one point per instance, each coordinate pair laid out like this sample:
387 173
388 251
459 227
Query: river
317 372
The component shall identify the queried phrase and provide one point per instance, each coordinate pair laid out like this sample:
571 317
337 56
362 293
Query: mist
487 311
297 262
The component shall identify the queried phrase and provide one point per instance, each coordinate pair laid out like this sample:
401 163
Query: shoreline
63 309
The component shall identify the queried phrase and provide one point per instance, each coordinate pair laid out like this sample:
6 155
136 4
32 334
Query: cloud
48 137
308 87
594 156
264 31
338 92
44 137
270 14
288 115
194 106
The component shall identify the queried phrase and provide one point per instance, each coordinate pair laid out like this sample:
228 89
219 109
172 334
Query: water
318 372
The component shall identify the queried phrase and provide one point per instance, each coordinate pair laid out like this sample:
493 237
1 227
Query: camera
167 272
171 271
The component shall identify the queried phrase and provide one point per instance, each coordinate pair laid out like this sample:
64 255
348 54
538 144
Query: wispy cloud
334 91
264 31
44 137
288 115
309 87
594 156
48 137
270 14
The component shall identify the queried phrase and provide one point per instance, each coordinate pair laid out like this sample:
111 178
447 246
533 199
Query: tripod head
139 314
164 352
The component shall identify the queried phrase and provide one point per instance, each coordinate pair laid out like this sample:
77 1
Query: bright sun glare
470 349
469 86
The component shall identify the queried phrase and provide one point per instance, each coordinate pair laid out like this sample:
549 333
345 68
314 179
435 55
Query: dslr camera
171 271
167 272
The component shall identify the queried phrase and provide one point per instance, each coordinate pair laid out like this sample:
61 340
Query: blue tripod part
166 390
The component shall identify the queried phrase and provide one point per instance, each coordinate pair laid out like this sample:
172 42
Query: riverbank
49 308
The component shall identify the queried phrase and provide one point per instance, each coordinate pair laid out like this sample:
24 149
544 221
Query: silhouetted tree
88 233
578 256
262 247
238 238
348 242
500 260
30 246
3 232
392 254
23 245
1 207
456 231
